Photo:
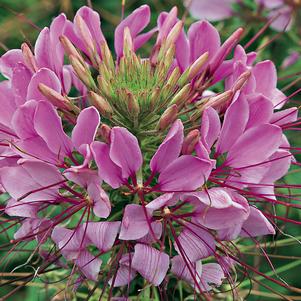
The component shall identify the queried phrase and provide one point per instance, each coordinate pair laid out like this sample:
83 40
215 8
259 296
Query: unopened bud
82 71
181 97
105 132
128 45
84 33
219 100
107 55
100 104
174 77
57 99
104 86
29 58
225 49
190 142
174 34
168 117
241 81
132 104
155 97
69 48
196 67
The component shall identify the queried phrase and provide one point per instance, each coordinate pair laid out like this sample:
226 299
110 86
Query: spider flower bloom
146 172
213 11
283 11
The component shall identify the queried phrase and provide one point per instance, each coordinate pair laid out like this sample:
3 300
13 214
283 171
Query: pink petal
210 128
101 202
125 151
166 199
21 208
9 61
170 148
180 269
134 223
187 173
70 242
136 22
29 227
195 242
214 10
20 80
125 273
149 238
102 234
40 181
212 273
205 32
22 121
89 265
261 110
107 169
256 224
46 77
284 21
7 102
220 208
254 146
42 53
48 125
83 177
284 116
86 127
262 71
234 124
150 263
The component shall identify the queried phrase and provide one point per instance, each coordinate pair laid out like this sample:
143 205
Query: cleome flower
130 166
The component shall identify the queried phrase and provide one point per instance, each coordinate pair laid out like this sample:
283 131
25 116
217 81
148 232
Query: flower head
146 171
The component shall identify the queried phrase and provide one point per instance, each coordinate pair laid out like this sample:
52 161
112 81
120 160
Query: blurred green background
21 20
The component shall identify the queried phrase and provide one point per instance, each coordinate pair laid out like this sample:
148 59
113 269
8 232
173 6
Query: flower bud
155 97
190 142
105 132
218 100
174 77
174 34
29 58
57 99
225 49
128 45
181 97
241 81
84 33
132 104
100 104
107 56
196 67
69 48
82 72
168 117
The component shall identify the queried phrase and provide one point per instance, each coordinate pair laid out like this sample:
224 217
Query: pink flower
211 10
282 11
116 165
171 173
